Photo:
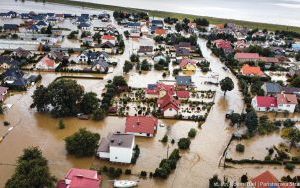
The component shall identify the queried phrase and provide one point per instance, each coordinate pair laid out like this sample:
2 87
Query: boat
125 183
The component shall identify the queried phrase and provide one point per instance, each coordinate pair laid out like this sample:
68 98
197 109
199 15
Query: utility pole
168 151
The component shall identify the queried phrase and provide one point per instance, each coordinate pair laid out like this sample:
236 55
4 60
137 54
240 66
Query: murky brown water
194 168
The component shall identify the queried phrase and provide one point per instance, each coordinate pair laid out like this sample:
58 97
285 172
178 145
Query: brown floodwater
195 167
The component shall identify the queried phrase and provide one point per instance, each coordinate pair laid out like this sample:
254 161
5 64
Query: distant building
247 57
248 70
287 102
188 64
117 147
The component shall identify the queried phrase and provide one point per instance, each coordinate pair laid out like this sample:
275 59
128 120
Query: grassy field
162 14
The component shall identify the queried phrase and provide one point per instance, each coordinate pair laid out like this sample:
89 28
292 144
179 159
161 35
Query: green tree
64 97
119 81
61 124
89 103
40 99
192 133
127 66
32 171
134 58
292 134
145 66
235 118
226 85
1 108
184 143
215 182
98 114
251 121
82 143
296 82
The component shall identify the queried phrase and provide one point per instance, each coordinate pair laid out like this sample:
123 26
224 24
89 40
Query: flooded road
195 167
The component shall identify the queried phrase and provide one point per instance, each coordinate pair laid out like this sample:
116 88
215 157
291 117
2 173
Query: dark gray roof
116 140
183 80
273 87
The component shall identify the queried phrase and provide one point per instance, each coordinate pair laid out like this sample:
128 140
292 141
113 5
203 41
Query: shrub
184 143
143 174
6 123
268 158
165 139
192 133
240 148
61 124
289 166
105 169
128 171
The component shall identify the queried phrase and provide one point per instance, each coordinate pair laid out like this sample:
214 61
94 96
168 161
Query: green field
162 14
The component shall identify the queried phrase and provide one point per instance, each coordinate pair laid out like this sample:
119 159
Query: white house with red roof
141 125
46 64
247 57
168 105
287 102
264 103
80 178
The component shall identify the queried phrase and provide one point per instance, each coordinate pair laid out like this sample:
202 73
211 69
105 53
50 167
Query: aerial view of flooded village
150 94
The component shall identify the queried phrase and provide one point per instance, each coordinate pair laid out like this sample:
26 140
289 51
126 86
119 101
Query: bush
165 139
184 143
268 158
143 174
6 123
240 148
82 143
105 169
289 166
61 124
128 171
192 133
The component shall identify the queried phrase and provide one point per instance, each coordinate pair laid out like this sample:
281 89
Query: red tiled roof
185 62
266 179
161 86
48 62
167 102
108 37
251 70
247 56
224 44
265 101
83 182
141 124
159 31
183 94
92 174
287 99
